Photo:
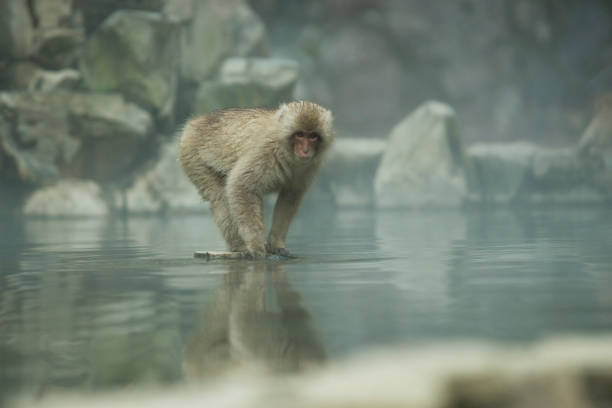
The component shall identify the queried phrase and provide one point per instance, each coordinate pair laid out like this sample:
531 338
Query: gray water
104 303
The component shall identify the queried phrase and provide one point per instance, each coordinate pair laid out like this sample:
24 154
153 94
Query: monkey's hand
272 250
255 252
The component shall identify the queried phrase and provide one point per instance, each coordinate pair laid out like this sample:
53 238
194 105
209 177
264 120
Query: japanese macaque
236 156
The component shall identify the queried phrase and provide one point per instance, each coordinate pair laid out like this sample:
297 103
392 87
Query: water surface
103 303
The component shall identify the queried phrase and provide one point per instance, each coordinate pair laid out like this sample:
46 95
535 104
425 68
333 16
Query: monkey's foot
278 251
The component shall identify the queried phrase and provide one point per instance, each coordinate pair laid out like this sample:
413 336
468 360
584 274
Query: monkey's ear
280 112
327 120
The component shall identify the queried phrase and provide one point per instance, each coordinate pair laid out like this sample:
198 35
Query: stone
57 48
106 115
219 29
67 198
59 33
19 75
248 82
35 136
349 170
524 173
25 75
16 30
178 10
55 134
135 53
501 170
53 80
424 163
165 187
595 145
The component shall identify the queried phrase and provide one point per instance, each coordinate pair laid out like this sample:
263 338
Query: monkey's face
305 144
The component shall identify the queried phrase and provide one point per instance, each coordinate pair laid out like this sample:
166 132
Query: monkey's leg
285 209
211 187
227 225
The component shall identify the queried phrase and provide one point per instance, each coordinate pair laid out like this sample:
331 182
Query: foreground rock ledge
568 372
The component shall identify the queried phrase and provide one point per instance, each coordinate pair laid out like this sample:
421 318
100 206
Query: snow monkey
236 156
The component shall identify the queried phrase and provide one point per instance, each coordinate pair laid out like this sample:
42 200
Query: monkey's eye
314 136
299 133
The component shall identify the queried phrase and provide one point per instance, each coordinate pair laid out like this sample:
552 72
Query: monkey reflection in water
236 156
255 320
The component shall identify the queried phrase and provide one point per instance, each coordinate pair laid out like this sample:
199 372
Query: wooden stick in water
209 255
212 255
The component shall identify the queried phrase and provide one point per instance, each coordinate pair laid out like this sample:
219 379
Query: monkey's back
218 139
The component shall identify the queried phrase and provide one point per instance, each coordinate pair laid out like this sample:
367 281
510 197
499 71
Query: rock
55 13
349 170
67 198
220 28
163 188
501 170
248 82
424 162
178 10
59 33
57 48
18 76
135 53
523 173
51 134
96 116
16 30
595 145
35 135
52 80
29 76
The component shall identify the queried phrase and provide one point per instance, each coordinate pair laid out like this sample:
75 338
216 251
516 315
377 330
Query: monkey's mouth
304 155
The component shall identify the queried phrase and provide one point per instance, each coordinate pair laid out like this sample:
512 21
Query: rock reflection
256 320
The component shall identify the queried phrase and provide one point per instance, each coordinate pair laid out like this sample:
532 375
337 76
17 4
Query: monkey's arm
285 209
244 192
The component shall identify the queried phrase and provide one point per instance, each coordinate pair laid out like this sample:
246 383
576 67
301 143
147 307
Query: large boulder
424 162
67 198
501 170
178 10
25 75
135 53
247 82
45 135
523 173
16 30
58 33
165 187
34 137
219 29
348 173
595 145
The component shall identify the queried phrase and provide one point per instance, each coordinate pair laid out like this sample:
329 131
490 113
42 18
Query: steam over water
92 304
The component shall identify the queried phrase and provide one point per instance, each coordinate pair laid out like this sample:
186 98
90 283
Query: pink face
305 144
